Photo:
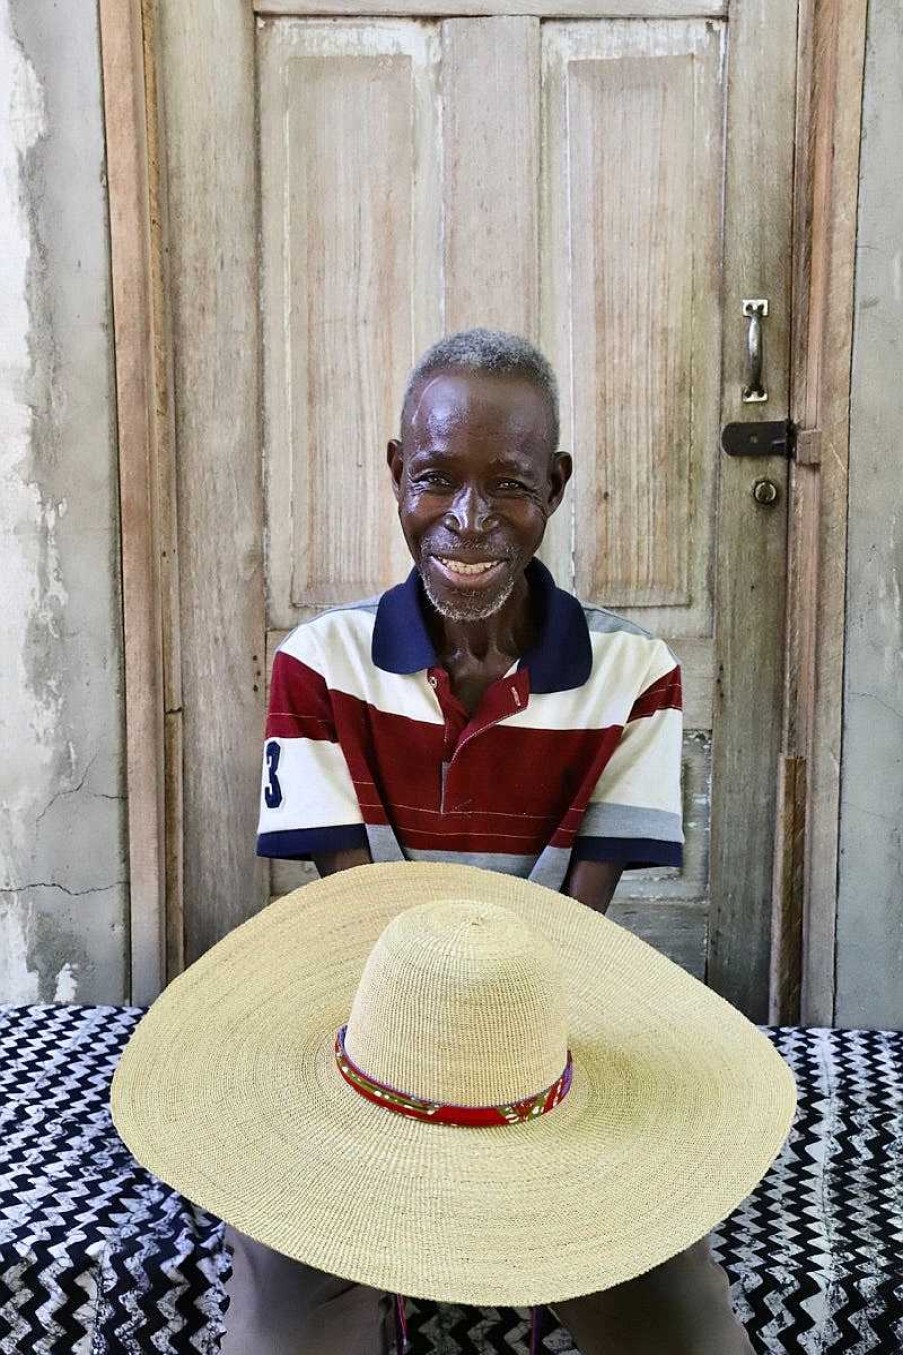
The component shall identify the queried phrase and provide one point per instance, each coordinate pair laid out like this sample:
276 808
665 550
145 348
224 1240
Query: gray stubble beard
453 613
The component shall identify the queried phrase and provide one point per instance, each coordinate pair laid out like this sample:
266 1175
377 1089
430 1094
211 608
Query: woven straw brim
228 1092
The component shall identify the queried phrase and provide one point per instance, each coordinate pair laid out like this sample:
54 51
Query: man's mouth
458 570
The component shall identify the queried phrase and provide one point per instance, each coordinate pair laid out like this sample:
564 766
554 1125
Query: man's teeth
458 567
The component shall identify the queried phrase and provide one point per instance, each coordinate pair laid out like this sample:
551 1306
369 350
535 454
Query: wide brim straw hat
474 989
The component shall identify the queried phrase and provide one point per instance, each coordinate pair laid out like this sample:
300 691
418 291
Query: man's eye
510 484
431 477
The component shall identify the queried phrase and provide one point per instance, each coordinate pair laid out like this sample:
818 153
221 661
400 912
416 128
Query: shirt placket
504 698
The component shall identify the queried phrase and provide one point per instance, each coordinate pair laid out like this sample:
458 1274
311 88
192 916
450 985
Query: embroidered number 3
272 792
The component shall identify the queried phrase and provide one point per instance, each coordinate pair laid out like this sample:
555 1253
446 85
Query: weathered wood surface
219 832
166 546
789 880
490 122
633 117
128 174
831 63
351 212
746 762
459 9
207 89
629 130
785 976
752 538
830 60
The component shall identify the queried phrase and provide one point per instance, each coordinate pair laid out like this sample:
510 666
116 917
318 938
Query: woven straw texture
228 1089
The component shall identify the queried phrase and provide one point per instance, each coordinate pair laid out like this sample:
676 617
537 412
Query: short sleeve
634 816
308 803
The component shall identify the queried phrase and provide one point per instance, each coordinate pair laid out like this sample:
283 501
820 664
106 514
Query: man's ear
395 462
559 473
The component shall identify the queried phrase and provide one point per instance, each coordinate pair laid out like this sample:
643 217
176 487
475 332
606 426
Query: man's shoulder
349 623
602 621
607 627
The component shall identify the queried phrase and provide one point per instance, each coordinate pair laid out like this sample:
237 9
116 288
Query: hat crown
460 1002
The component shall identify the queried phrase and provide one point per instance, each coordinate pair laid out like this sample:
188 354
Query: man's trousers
279 1306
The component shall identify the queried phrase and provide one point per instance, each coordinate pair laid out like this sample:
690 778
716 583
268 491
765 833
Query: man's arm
330 862
308 803
592 883
635 812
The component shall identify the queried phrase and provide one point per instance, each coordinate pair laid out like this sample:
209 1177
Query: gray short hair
494 351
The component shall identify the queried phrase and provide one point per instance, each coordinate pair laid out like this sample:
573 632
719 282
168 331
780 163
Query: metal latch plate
762 438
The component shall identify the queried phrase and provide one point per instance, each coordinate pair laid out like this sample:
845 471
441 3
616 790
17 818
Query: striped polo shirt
574 753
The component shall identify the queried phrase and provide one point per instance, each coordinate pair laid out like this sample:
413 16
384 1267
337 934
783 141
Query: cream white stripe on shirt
315 784
337 645
633 774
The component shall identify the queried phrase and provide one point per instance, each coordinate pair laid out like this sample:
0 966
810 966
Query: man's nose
470 511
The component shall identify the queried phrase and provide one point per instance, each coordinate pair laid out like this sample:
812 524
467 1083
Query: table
99 1257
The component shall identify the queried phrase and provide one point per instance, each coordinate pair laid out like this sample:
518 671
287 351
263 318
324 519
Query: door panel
633 117
351 220
490 119
579 162
633 152
557 171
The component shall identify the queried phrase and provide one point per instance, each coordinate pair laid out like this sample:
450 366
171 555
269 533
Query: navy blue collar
561 659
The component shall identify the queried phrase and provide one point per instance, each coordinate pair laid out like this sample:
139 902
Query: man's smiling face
475 478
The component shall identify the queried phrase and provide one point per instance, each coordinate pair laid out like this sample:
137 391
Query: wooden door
343 189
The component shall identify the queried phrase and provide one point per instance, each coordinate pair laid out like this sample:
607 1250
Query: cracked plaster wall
63 895
869 960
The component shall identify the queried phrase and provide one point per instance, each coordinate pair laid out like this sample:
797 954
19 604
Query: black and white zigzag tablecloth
98 1257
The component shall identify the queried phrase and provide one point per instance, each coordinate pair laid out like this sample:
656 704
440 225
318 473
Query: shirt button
432 680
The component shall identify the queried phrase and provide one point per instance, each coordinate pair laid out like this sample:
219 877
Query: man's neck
508 633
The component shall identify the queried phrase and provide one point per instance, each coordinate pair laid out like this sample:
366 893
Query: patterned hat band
438 1112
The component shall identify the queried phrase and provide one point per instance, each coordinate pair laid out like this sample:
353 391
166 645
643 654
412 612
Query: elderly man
476 713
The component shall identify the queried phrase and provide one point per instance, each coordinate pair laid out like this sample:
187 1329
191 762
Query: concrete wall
869 965
63 890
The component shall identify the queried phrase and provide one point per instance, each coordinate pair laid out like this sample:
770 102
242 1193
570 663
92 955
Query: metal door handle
754 310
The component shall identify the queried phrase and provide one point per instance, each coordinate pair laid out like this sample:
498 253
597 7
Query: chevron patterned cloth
98 1257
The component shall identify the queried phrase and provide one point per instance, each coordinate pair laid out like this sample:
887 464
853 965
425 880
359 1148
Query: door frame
165 347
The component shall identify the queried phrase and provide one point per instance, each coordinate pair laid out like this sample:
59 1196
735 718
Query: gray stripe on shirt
610 820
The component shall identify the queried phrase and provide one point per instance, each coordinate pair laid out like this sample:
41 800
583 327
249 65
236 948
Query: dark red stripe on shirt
510 789
663 694
535 775
295 687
